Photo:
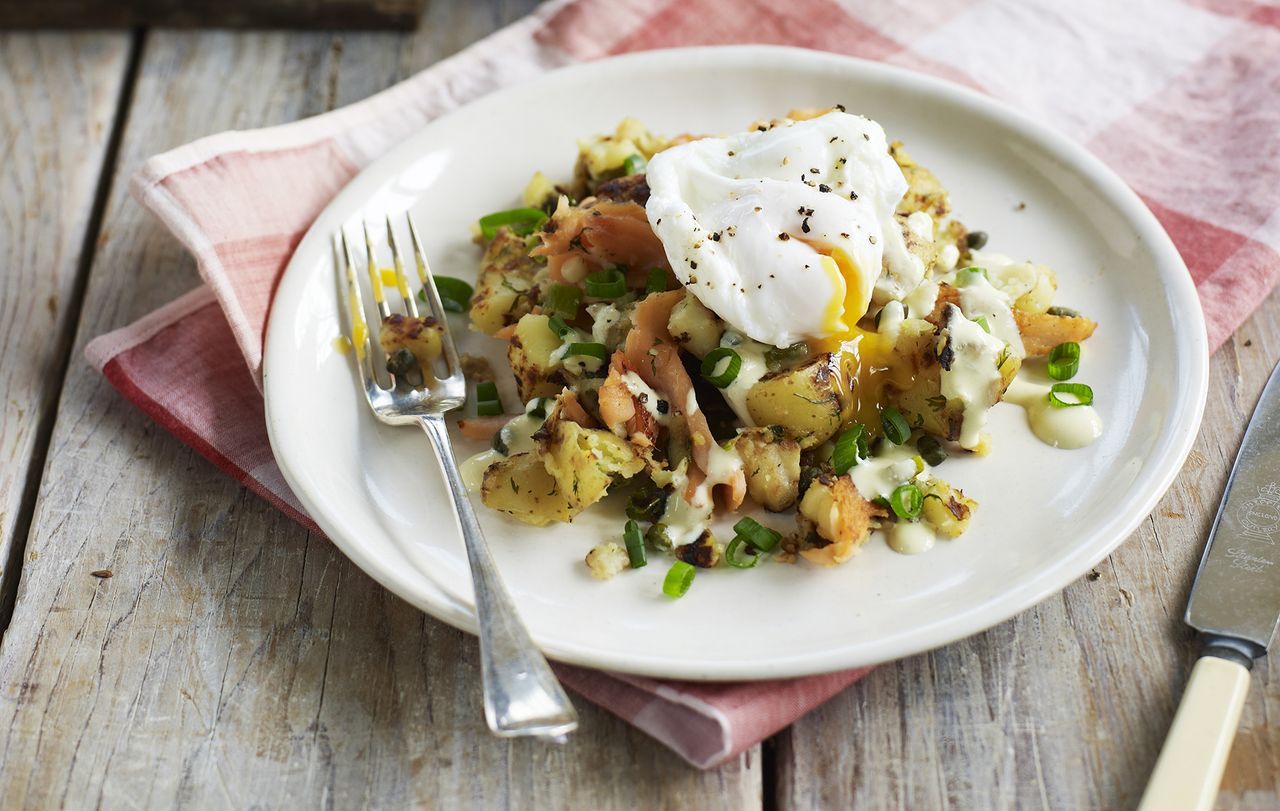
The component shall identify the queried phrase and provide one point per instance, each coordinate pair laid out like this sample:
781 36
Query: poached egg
783 232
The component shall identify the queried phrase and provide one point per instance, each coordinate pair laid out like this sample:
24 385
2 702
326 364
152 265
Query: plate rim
1173 445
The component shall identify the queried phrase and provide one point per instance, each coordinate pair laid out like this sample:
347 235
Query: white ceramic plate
1046 515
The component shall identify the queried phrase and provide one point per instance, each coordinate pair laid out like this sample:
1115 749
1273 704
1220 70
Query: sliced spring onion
720 366
775 358
499 442
538 406
487 402
608 283
562 300
968 276
850 446
1080 394
1064 361
982 322
895 425
587 350
976 240
931 450
635 544
1063 312
455 294
558 326
657 282
522 220
906 501
734 556
678 580
754 533
634 165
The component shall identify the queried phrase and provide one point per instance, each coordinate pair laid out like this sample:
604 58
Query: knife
1235 605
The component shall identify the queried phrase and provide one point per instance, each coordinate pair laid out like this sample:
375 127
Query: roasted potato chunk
420 337
529 354
834 520
507 287
521 487
607 559
585 461
920 398
947 510
571 469
771 462
807 400
693 327
924 191
1041 332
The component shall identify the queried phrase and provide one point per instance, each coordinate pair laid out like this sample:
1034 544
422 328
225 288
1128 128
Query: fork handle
522 697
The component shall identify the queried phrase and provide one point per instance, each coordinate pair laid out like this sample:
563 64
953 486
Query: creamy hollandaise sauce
1062 427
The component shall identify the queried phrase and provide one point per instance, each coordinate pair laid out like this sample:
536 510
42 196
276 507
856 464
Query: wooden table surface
234 660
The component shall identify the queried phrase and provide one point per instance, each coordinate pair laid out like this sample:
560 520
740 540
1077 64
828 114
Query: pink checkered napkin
1182 99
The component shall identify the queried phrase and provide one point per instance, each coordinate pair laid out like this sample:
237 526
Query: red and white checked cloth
1181 98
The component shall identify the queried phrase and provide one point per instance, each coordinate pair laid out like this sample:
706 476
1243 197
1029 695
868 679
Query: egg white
783 232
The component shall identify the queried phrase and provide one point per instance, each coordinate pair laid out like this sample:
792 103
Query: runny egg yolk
846 306
866 357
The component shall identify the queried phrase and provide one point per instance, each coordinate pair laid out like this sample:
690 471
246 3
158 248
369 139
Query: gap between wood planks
57 373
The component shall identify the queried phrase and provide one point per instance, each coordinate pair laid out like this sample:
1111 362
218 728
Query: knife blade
1235 605
1235 596
1235 599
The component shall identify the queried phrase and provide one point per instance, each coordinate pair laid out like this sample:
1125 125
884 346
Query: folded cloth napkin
1183 100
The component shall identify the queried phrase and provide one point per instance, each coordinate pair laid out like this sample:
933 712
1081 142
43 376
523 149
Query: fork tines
364 339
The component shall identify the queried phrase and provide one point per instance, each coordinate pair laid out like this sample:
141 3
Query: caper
1063 312
931 450
401 362
976 240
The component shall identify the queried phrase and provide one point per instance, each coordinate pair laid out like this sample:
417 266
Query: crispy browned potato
807 400
771 462
507 287
834 520
1041 332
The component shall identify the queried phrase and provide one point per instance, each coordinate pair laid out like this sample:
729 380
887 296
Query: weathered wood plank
60 93
231 659
310 14
1065 706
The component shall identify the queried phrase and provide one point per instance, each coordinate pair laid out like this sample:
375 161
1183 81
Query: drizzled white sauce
1070 427
685 522
921 301
607 323
517 435
979 298
890 320
920 225
753 368
649 398
910 537
974 374
881 475
948 257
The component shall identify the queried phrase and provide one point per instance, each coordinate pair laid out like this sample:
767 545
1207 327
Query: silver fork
521 695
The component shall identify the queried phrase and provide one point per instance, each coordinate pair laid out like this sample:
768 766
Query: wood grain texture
60 92
310 14
232 660
1065 706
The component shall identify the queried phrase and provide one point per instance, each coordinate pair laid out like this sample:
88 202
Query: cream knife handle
1190 766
